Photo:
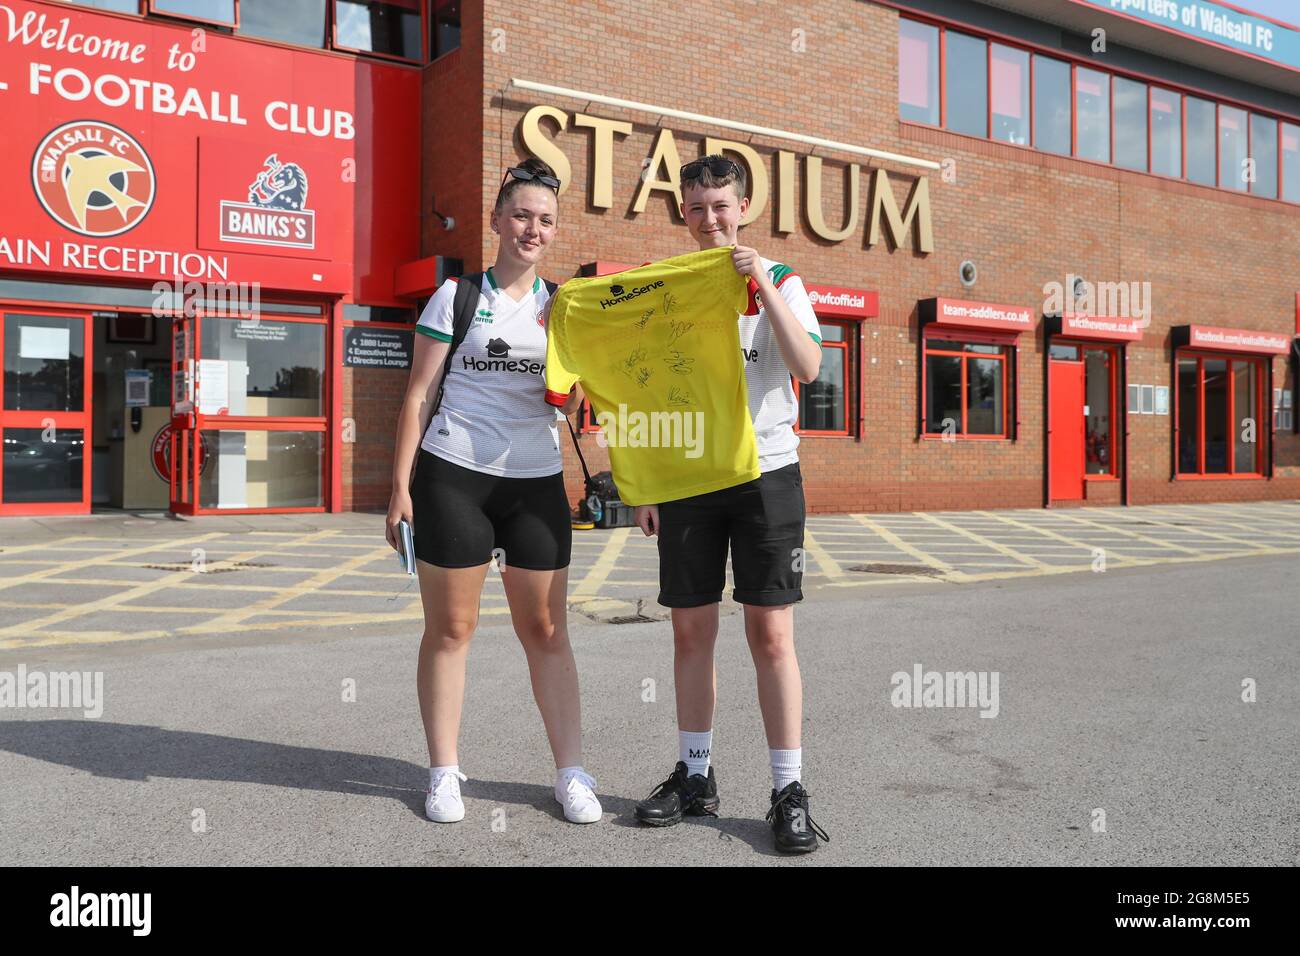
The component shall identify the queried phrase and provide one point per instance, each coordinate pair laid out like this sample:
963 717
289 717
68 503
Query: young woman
487 476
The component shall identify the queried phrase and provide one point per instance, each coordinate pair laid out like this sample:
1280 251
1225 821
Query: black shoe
792 826
680 794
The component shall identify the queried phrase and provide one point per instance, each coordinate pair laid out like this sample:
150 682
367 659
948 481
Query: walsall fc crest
93 178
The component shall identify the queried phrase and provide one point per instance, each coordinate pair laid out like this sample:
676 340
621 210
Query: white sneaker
442 802
576 793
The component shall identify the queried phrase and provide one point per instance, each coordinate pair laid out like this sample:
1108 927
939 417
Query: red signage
1236 340
831 300
1102 327
147 150
1297 314
982 315
161 453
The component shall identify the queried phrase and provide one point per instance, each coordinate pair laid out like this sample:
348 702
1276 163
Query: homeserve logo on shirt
499 360
626 295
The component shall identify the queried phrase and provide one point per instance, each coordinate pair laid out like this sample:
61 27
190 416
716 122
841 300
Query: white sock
786 767
564 773
693 750
436 772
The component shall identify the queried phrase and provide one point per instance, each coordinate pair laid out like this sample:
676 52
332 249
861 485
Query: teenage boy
762 521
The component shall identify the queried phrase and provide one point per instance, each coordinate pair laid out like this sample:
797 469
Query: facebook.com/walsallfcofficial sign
1214 23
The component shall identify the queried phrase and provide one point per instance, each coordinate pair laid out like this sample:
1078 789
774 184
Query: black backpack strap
463 307
578 448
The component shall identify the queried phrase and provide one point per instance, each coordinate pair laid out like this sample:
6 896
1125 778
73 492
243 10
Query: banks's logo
276 213
93 178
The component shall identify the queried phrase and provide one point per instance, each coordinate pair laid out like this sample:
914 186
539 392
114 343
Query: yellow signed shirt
657 350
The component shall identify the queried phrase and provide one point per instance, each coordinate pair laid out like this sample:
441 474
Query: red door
1065 430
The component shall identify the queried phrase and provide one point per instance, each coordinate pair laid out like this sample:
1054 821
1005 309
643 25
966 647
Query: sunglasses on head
718 167
526 176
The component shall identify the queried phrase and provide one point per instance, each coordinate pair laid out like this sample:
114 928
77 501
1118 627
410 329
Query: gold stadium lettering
659 170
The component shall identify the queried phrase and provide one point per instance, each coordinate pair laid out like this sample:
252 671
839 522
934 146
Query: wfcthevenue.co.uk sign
660 174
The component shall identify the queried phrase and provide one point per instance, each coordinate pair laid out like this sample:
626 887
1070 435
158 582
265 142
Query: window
1291 162
966 388
1101 449
1092 114
918 72
392 29
209 11
966 84
271 468
121 6
1166 133
44 363
300 22
825 404
1232 148
1263 150
1283 412
1009 94
1219 431
1200 140
1130 124
272 369
445 28
1052 105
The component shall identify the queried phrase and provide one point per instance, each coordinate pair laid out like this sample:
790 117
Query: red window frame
1008 383
1075 62
1261 399
848 366
268 423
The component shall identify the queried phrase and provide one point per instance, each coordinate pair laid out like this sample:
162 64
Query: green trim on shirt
537 283
815 337
433 333
492 280
779 272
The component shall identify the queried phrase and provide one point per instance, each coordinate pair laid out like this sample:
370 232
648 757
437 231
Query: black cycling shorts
460 516
762 521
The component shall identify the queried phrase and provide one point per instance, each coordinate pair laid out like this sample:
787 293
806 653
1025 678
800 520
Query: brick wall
1026 218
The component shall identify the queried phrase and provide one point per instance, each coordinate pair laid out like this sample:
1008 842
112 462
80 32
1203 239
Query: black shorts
762 520
459 516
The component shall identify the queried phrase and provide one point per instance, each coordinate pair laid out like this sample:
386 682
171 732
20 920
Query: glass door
183 456
45 412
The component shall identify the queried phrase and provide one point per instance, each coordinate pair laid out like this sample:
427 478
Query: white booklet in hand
407 555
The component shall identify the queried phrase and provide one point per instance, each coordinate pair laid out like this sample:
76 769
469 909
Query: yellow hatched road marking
987 542
949 571
821 556
1060 537
1131 534
605 563
84 562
